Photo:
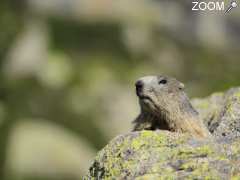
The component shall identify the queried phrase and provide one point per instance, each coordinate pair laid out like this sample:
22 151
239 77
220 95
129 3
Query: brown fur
166 106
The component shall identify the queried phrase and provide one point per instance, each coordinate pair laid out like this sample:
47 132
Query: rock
228 123
152 154
221 113
209 107
163 154
38 148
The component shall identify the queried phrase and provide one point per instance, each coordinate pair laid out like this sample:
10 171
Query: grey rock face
221 113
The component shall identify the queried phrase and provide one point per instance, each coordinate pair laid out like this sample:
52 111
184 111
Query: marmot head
161 94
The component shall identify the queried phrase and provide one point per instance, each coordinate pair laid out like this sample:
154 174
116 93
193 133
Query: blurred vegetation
67 70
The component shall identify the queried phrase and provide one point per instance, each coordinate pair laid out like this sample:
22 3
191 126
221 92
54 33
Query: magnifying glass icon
232 5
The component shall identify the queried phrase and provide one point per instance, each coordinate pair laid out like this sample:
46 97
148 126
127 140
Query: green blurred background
68 67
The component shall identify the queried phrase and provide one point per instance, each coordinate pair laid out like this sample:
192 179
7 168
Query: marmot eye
163 81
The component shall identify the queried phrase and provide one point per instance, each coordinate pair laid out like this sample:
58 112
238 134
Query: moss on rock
160 155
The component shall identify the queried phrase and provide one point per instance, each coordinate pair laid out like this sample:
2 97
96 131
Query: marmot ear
181 86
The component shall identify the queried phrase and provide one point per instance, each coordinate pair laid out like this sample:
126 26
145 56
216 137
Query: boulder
221 113
169 155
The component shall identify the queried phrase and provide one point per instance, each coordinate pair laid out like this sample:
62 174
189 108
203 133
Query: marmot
164 105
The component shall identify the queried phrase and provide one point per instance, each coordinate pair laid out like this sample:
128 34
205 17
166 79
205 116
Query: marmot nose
139 86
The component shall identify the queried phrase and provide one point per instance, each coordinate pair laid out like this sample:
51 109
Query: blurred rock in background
69 67
39 148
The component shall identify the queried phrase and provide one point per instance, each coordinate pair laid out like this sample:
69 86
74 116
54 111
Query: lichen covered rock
167 155
221 113
162 154
209 108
